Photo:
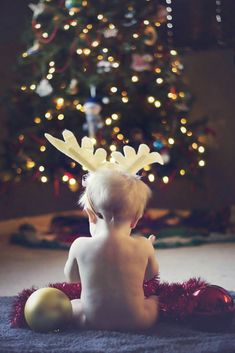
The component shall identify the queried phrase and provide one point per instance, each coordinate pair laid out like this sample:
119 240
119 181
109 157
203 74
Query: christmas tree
106 70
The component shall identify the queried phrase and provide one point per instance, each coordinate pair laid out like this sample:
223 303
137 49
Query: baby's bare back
112 272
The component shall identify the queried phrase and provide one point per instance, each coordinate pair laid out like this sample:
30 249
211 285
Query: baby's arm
152 265
71 270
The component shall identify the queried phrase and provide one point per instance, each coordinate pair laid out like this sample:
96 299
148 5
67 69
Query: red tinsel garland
176 300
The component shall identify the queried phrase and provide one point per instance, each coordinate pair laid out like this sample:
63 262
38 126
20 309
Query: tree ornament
158 144
104 66
37 9
44 88
73 87
73 5
48 309
141 62
130 19
110 32
165 156
94 121
214 309
178 302
162 13
34 49
151 35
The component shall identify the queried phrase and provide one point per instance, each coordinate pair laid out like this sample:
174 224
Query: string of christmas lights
137 76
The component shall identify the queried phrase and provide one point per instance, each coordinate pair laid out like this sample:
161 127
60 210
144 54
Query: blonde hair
114 195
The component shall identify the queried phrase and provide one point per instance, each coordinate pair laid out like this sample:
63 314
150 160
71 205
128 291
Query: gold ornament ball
48 309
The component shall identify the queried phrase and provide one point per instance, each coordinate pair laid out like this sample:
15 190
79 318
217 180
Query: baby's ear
134 222
91 215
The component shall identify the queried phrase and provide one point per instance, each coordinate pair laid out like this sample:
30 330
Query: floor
21 267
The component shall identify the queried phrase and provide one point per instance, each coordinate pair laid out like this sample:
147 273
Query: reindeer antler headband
129 162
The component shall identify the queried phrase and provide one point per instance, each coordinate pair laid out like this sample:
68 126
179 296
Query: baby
112 264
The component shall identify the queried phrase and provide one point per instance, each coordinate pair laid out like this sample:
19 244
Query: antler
83 154
131 162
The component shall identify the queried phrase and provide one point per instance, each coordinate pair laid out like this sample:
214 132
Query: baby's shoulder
143 243
141 239
79 245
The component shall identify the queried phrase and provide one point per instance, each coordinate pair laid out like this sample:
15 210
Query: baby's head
115 197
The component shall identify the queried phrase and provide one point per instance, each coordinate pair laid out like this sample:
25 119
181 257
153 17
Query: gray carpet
165 338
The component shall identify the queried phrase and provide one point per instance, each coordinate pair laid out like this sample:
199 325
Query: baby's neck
106 229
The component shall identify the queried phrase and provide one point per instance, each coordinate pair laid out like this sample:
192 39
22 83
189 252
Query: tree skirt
164 338
173 229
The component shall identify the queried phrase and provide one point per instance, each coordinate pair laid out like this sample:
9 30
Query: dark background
210 74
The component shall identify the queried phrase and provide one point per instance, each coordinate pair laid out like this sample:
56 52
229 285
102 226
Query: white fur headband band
128 162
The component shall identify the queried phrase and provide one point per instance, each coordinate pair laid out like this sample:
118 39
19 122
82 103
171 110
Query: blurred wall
211 78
